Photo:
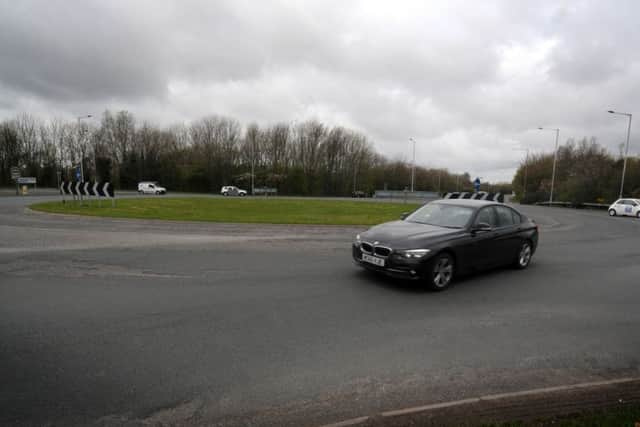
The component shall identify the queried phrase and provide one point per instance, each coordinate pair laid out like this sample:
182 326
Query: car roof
472 203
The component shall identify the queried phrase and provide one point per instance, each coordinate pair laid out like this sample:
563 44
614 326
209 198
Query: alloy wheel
525 255
442 272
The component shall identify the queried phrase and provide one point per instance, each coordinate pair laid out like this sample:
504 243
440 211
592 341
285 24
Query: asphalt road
116 322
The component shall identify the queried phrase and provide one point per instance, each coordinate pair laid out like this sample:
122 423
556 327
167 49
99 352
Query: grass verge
622 416
241 210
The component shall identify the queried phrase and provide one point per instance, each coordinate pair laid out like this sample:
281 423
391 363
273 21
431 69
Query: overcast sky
468 80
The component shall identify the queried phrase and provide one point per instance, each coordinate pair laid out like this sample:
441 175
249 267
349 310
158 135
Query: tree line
585 173
307 158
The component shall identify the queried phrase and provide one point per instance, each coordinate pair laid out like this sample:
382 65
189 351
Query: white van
150 187
230 190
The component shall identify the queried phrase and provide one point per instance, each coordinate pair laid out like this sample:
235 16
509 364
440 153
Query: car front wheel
524 255
612 212
440 272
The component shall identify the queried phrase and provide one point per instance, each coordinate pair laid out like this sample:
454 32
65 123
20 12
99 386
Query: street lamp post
413 166
555 160
526 164
626 152
80 135
253 159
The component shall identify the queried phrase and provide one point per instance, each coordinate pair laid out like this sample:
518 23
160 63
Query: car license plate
373 260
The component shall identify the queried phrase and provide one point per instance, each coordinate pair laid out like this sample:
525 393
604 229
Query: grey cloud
430 70
596 41
57 50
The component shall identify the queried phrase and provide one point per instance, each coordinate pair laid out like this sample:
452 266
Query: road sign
476 184
15 173
78 174
482 195
26 180
77 188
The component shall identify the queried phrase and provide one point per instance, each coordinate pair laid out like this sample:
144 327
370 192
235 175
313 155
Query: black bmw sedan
446 238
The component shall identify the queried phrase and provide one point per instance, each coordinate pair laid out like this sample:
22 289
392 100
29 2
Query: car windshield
442 215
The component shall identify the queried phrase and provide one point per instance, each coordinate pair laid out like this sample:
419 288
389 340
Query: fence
406 195
574 205
265 191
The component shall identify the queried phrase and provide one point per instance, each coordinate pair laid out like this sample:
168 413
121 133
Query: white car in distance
230 190
625 207
150 187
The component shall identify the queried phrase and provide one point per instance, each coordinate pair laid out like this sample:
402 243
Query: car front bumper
407 269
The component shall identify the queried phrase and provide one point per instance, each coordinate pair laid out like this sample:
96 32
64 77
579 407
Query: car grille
366 247
381 251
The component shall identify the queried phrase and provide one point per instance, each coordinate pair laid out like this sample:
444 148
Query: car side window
486 215
505 218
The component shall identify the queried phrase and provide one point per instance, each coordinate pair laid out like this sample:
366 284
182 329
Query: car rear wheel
524 255
638 214
440 273
612 212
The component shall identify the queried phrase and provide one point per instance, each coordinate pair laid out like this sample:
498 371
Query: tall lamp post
555 160
413 166
626 152
526 164
80 133
253 157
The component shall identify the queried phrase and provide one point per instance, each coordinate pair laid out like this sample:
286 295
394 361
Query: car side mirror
481 226
404 215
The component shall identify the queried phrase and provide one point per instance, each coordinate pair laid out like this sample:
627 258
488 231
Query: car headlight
414 253
357 239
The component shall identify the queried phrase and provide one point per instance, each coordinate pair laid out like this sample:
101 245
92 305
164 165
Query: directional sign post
88 189
482 195
94 192
80 179
476 184
15 174
85 191
27 180
62 191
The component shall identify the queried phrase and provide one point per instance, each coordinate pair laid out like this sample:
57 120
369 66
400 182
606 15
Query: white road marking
490 397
